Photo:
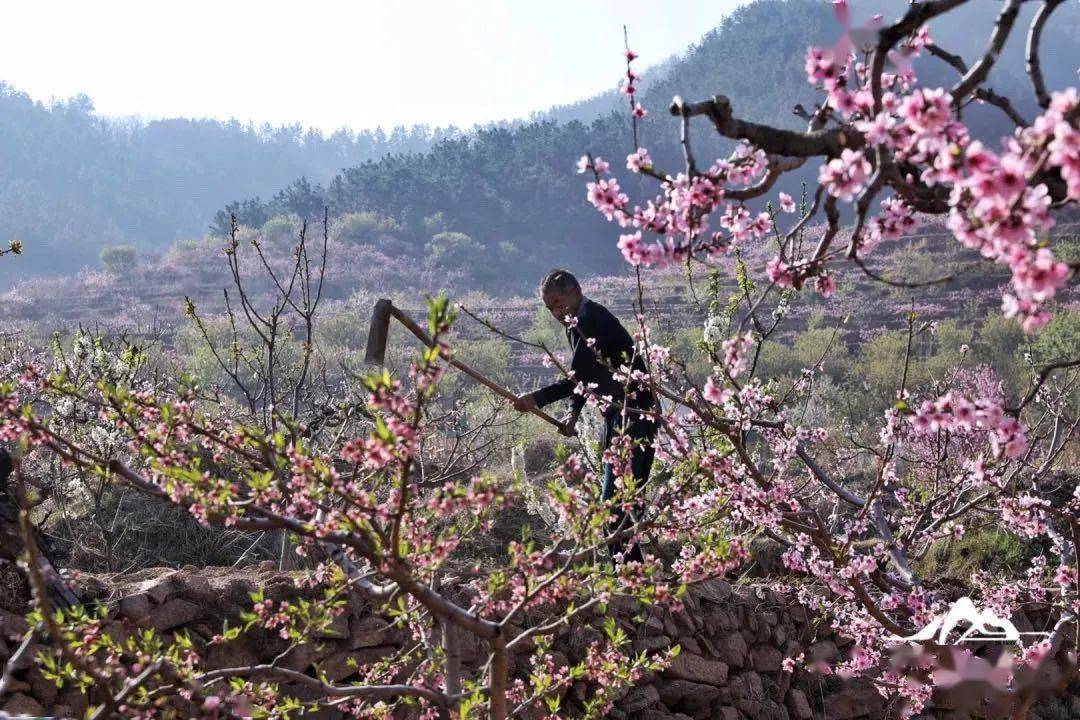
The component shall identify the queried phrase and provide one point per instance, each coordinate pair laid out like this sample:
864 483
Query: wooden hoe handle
494 387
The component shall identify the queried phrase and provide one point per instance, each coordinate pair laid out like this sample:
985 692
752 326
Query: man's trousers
643 434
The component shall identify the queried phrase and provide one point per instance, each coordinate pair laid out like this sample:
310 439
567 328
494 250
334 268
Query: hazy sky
330 63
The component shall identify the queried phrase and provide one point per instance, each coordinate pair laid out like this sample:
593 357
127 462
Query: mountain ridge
506 191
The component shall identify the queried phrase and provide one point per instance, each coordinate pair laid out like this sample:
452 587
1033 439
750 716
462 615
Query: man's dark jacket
613 348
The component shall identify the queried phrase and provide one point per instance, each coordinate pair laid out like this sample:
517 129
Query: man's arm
558 390
552 393
561 389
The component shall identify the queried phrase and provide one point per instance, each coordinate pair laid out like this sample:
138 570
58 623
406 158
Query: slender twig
1041 378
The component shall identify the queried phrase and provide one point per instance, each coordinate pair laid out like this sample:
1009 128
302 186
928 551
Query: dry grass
152 534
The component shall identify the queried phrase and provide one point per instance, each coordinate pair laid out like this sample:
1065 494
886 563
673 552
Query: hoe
376 350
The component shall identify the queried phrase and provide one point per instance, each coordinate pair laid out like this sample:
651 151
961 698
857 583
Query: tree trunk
288 559
452 671
497 681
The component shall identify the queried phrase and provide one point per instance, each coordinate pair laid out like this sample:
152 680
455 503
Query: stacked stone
733 641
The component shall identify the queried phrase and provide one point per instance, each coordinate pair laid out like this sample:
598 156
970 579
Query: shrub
454 249
280 230
365 228
991 550
119 259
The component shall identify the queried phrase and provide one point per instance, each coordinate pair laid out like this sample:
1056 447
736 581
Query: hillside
147 301
72 182
513 193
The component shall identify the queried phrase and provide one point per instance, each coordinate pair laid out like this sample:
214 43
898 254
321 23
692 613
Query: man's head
561 293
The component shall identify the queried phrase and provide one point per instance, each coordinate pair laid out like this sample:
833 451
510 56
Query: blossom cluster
954 413
999 202
679 217
896 136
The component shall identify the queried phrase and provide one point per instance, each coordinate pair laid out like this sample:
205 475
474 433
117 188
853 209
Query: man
600 345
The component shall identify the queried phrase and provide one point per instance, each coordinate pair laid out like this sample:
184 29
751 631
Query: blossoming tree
384 520
940 463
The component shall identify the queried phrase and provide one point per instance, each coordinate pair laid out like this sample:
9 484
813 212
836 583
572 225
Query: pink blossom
636 161
735 351
957 414
787 204
878 130
825 285
1064 149
607 197
896 220
1035 653
927 111
638 252
780 272
1038 276
716 394
846 175
822 65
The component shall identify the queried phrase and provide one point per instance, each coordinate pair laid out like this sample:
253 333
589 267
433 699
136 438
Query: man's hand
568 425
525 402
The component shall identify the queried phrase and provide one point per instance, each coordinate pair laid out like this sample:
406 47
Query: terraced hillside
149 299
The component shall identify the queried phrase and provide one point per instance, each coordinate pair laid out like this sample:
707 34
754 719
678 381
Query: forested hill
506 204
72 182
507 200
502 202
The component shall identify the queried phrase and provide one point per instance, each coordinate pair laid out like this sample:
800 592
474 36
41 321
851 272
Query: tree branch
916 16
1041 378
773 141
984 94
372 692
777 167
978 72
1034 66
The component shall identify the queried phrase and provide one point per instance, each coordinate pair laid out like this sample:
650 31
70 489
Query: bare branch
916 16
773 141
862 205
1034 66
1041 378
816 470
684 135
986 95
978 72
832 214
371 692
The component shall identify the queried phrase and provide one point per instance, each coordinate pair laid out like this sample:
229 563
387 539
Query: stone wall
733 641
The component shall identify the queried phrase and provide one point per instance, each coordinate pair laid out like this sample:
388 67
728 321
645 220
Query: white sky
333 63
